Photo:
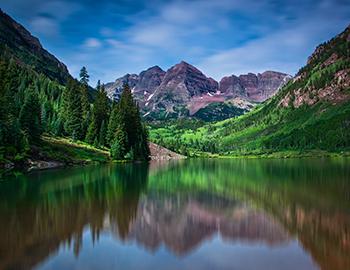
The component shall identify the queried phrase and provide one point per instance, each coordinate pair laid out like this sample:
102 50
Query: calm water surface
193 214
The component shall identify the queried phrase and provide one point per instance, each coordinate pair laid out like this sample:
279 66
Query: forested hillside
39 100
311 112
32 105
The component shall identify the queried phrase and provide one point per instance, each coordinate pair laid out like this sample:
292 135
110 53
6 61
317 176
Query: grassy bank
68 151
284 154
54 152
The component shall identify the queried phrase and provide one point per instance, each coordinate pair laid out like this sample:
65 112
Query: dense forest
31 105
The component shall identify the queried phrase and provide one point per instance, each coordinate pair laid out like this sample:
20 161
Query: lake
188 214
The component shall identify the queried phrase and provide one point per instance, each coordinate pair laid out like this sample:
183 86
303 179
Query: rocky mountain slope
17 43
312 111
253 87
183 90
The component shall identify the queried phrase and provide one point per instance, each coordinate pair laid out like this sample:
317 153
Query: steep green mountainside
17 43
311 112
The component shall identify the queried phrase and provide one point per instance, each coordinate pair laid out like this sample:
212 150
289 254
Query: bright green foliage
118 148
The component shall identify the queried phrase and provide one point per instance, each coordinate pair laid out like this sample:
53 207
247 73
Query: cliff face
253 87
183 90
18 43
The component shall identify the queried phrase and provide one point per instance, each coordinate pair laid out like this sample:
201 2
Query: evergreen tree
103 134
84 76
114 122
84 80
73 124
91 133
29 117
98 85
126 121
85 105
64 105
100 114
118 148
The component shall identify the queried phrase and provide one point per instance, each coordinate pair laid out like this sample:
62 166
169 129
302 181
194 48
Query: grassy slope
65 150
55 149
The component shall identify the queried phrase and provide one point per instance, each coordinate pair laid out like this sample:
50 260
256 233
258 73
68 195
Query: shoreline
59 152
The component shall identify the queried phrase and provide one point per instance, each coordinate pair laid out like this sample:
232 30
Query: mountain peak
184 87
155 68
184 63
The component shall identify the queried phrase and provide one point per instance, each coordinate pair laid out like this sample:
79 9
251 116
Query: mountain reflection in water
179 209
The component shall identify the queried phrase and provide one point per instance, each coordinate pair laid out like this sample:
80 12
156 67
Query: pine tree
29 117
125 119
103 134
114 123
118 148
100 113
84 80
91 133
85 105
73 124
84 76
64 105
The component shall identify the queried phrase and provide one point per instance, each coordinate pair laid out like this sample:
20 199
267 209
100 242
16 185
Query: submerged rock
43 165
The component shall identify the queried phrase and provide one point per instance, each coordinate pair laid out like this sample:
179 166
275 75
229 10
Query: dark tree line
31 104
126 134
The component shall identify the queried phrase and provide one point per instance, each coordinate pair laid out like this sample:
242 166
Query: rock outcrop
325 77
159 153
253 87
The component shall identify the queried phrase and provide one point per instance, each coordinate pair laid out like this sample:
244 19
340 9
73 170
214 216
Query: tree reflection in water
179 205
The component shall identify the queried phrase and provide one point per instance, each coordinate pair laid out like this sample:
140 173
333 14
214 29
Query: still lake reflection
192 214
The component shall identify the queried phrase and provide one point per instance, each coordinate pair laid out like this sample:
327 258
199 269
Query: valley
209 135
269 114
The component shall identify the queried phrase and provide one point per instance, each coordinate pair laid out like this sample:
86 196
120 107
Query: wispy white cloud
282 37
45 26
283 50
43 17
92 43
220 37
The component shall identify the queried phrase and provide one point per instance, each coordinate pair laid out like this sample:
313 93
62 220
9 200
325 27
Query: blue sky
220 37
